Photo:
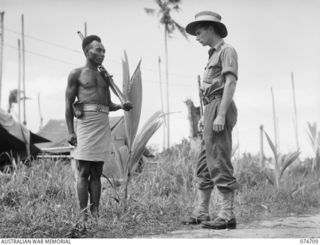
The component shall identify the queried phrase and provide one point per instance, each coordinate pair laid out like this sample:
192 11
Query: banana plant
281 161
129 155
314 138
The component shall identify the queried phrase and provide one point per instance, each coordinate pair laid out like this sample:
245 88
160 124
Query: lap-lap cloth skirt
93 137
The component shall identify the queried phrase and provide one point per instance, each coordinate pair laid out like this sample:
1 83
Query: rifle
200 96
201 106
126 104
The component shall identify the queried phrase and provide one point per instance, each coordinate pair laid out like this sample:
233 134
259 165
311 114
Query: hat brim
221 28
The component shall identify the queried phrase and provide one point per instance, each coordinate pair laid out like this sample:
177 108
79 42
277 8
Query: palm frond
176 8
181 29
132 117
161 4
150 11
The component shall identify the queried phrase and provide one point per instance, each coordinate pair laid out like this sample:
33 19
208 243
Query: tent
16 139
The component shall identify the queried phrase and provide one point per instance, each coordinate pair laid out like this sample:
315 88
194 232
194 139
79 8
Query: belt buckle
99 108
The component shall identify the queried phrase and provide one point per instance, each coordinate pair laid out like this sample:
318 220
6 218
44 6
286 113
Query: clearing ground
287 227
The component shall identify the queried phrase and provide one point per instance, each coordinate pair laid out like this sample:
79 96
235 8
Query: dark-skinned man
92 137
214 167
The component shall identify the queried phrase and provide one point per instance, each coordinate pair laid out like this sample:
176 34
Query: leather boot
226 218
201 212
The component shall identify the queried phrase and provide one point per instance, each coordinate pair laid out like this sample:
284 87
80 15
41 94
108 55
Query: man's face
204 35
96 52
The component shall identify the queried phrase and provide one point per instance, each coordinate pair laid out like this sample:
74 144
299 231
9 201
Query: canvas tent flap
14 128
9 142
35 139
17 139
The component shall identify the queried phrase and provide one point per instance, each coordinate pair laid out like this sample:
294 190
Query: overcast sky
273 38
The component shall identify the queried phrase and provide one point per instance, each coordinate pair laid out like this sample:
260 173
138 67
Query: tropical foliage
129 155
281 161
314 139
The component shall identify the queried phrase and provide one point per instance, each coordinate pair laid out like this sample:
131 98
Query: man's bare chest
92 79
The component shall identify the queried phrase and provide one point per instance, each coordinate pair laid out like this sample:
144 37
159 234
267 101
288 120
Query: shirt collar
216 47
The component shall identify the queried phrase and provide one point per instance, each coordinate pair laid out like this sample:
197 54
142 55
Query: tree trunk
162 104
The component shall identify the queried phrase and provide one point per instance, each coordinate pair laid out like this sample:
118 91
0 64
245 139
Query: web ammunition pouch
78 109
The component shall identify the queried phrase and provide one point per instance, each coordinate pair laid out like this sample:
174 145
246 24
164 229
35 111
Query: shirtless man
92 138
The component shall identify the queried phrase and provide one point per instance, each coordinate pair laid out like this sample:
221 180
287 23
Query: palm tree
170 25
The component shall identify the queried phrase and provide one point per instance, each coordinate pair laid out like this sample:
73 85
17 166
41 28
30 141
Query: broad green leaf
125 75
155 116
132 117
140 142
288 160
125 82
313 136
122 156
272 146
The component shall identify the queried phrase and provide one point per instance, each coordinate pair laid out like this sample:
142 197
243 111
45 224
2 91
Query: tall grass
40 200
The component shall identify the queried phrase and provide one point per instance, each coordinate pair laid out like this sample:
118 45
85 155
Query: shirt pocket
213 70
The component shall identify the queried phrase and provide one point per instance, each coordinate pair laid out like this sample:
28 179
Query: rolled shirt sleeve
229 62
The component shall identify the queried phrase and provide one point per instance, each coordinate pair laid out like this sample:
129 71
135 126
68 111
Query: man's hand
127 106
114 107
72 139
219 123
200 124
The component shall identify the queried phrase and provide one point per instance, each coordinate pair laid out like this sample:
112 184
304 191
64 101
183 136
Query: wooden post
295 111
162 104
274 121
23 71
85 29
40 114
167 82
19 82
1 50
261 145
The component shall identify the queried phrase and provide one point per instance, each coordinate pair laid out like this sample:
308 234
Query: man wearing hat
214 167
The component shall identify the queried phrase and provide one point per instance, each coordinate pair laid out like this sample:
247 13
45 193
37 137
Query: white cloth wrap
93 137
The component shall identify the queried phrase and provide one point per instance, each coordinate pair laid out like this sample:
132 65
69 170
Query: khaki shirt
223 59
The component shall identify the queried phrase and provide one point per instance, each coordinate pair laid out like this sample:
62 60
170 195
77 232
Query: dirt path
288 227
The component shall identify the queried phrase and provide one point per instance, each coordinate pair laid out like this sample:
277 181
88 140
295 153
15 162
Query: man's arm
113 106
228 92
70 96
